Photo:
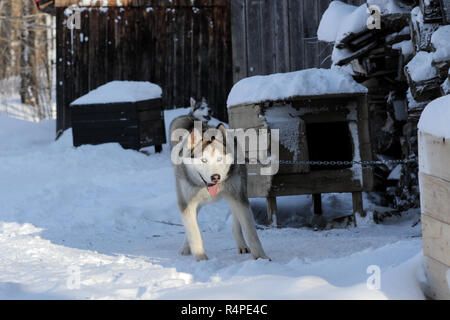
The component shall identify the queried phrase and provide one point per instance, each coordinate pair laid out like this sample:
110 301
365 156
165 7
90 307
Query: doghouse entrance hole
330 141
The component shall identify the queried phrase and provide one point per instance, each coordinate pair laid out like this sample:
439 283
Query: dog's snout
215 178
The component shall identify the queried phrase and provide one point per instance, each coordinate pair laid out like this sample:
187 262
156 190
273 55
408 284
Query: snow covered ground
100 222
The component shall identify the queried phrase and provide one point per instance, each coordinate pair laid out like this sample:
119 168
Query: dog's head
200 110
209 161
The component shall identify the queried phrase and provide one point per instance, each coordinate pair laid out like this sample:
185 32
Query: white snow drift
100 222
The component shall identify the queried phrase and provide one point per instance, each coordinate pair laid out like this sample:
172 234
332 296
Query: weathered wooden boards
435 202
277 36
139 3
304 114
185 49
134 124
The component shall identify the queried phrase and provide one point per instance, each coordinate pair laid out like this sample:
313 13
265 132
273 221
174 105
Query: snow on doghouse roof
281 86
121 91
435 118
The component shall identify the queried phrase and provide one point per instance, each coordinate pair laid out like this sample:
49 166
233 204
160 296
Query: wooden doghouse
126 112
321 126
434 164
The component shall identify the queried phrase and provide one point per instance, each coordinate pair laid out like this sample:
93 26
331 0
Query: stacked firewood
405 65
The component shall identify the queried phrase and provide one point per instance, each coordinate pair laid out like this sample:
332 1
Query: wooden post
272 210
357 206
317 203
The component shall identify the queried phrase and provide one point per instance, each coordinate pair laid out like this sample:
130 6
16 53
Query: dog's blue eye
204 160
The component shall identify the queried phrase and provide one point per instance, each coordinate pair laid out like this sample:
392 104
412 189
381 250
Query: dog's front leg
239 237
193 235
241 210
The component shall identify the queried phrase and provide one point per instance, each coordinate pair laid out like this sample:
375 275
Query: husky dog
200 111
208 179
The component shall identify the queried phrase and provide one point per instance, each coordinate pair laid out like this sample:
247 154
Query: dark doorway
330 141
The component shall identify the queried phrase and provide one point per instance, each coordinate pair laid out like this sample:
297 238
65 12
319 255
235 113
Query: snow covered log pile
399 50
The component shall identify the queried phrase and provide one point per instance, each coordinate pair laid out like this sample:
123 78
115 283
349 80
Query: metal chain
346 163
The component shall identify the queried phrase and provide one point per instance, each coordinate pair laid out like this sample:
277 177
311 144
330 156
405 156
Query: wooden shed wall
182 45
189 47
278 36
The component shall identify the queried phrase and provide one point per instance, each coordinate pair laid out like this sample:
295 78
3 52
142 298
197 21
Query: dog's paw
201 257
185 251
262 257
244 250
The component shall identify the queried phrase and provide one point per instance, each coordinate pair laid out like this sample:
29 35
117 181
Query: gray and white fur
208 181
200 111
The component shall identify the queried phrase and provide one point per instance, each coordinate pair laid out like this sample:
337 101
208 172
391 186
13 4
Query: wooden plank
254 38
325 49
245 117
331 181
272 210
113 125
267 22
436 239
296 35
104 108
141 3
358 206
438 284
101 116
310 24
434 153
339 100
281 36
435 197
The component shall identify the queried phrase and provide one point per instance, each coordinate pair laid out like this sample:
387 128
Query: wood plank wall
186 46
278 36
182 45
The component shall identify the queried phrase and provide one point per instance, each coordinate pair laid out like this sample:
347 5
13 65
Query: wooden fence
278 36
185 49
190 48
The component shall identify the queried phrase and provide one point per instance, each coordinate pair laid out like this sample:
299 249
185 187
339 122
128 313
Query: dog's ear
223 131
193 103
191 141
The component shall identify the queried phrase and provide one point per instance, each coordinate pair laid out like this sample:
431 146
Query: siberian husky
200 111
209 178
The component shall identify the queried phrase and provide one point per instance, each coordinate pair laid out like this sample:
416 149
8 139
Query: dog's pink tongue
213 190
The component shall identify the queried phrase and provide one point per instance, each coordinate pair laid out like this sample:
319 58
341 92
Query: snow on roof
435 118
282 86
441 42
121 91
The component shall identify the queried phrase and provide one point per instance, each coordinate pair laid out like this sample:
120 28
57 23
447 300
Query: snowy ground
111 214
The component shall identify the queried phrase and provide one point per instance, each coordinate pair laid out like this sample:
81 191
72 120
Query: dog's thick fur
200 111
193 182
